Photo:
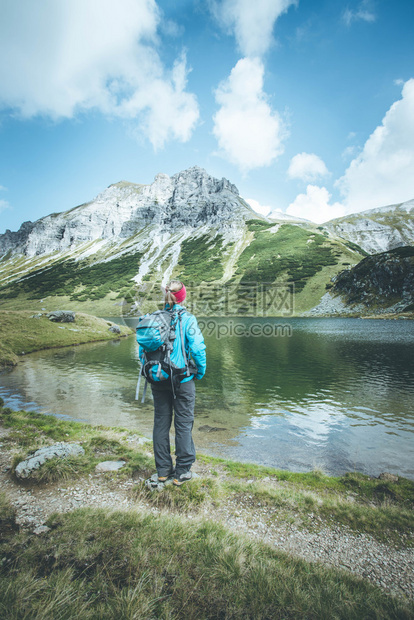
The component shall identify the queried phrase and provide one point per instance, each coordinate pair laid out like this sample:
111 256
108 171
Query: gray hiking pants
183 406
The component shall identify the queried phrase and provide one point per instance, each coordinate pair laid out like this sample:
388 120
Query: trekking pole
138 384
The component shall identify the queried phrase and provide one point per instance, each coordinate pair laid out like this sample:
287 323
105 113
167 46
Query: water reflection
337 394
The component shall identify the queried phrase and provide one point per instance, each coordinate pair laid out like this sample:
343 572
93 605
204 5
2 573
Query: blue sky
306 105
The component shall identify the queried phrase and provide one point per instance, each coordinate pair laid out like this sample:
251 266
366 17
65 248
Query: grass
201 259
80 280
100 564
188 498
7 518
35 430
292 254
380 508
21 334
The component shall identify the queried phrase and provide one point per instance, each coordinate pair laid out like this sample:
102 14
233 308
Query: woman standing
178 398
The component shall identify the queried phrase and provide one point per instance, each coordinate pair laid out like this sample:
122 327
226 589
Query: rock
59 450
387 477
375 230
115 329
109 466
378 284
61 316
41 529
210 429
37 316
141 441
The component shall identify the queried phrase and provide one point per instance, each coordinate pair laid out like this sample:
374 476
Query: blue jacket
193 343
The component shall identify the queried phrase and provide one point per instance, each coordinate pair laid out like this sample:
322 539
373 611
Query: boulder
387 477
109 466
59 450
115 329
61 316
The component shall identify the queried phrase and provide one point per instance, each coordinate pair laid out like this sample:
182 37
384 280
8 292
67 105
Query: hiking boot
182 478
165 478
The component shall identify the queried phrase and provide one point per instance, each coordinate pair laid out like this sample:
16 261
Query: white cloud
349 152
59 58
314 205
251 22
249 133
383 173
364 12
307 167
256 206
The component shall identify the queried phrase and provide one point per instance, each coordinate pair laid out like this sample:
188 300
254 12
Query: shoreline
23 332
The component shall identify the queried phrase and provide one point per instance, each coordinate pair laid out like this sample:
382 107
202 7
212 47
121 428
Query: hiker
176 394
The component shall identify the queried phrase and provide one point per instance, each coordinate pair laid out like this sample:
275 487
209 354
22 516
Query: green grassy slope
300 257
21 334
287 255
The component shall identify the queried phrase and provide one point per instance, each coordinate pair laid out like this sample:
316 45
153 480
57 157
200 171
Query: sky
307 106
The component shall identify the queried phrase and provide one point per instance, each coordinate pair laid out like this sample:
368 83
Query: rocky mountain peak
377 230
190 198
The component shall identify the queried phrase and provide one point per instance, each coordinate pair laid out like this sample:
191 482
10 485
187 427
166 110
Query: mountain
377 230
379 284
188 199
110 256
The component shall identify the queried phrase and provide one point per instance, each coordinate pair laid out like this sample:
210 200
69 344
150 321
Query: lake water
336 394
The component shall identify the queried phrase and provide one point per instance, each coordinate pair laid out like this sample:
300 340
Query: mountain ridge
192 226
189 198
379 229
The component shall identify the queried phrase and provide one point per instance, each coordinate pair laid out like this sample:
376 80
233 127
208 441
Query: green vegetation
201 259
258 225
356 248
189 498
35 430
79 280
7 518
19 333
381 508
289 255
292 255
99 564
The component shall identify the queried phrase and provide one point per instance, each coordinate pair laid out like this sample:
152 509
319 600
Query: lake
297 394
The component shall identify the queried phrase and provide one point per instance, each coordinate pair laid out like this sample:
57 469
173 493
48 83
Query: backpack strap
183 346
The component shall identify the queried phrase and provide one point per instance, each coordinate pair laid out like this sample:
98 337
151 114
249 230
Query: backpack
156 335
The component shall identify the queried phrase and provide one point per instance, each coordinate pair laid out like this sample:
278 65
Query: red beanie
180 295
